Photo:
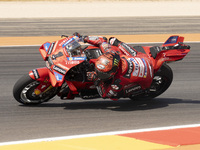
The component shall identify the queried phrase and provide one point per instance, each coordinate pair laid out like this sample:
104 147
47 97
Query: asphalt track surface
179 105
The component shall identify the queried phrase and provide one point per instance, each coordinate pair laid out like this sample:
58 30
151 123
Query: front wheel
23 91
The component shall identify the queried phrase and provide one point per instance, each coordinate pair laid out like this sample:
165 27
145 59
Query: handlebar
64 36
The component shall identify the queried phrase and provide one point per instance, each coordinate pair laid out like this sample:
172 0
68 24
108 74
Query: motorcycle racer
121 71
110 69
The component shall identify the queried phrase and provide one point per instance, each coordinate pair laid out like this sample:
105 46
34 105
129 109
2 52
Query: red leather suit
135 71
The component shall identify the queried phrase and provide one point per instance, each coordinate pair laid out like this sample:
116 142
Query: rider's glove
92 76
77 34
81 37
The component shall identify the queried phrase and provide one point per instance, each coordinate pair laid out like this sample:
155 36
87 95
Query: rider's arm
125 48
98 41
95 40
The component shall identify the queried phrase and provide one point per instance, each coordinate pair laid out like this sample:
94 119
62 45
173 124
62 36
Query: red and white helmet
106 65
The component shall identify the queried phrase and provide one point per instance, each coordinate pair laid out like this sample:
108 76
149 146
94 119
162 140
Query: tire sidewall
20 85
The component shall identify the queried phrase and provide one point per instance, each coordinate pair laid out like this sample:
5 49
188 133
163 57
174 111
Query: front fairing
59 62
44 50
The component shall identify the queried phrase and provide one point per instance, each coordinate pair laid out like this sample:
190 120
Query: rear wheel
161 82
23 91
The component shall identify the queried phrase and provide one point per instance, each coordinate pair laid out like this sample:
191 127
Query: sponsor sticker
63 66
136 68
132 89
51 48
35 73
58 76
172 39
141 66
72 62
116 62
63 42
46 46
70 40
129 49
105 45
130 69
76 58
58 69
123 50
145 69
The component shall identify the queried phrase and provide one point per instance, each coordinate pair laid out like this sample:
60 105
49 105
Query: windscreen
73 45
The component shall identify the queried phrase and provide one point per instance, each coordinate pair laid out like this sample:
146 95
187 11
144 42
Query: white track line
99 134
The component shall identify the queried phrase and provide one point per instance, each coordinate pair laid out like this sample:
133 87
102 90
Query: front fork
41 75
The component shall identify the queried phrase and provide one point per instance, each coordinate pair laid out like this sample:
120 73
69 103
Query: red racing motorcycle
65 74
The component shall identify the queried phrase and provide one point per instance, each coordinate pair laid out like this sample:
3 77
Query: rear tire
161 82
165 76
23 92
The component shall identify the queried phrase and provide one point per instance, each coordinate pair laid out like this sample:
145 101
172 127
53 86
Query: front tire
23 92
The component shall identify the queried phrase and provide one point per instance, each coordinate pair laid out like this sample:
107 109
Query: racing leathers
134 73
